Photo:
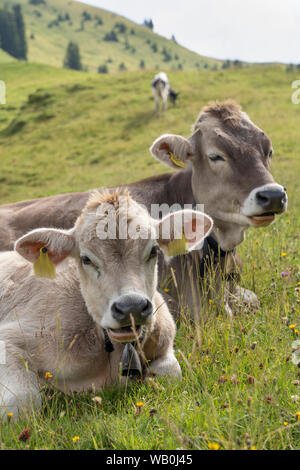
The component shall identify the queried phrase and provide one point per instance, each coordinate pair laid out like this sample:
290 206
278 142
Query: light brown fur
55 326
224 111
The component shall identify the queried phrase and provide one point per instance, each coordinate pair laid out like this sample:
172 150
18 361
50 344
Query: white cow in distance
56 330
161 89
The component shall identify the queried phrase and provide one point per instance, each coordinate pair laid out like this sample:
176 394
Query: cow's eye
270 154
216 158
85 260
153 252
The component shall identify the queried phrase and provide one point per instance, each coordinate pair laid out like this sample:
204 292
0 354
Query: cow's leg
245 296
166 365
156 105
238 294
158 348
165 102
19 390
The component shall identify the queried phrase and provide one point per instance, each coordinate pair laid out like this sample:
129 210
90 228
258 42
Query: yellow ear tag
177 247
176 160
43 266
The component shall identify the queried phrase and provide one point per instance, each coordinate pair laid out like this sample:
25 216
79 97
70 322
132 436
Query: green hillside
57 121
69 131
48 33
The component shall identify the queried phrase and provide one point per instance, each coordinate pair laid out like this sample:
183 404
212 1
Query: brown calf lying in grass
71 330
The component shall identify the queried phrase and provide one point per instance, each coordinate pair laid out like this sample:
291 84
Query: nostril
147 310
138 306
117 311
117 308
271 200
262 198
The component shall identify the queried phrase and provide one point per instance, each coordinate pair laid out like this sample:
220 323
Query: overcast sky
250 30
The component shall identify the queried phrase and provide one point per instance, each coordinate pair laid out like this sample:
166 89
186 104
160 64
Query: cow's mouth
262 219
126 334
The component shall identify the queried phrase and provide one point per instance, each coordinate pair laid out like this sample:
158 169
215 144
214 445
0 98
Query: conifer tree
72 58
20 26
12 32
8 32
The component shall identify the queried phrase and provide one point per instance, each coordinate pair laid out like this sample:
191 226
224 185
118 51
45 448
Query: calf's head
115 244
230 161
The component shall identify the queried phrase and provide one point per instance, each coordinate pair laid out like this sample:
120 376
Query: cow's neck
179 190
228 235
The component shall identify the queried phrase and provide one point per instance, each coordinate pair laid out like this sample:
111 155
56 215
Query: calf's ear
172 150
183 231
57 244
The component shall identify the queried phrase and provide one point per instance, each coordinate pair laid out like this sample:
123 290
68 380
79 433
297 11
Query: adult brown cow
227 170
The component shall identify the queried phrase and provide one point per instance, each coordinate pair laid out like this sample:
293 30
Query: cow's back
59 211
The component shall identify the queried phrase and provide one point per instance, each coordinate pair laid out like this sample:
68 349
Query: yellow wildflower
10 415
292 326
213 446
75 438
252 448
298 415
211 301
139 404
166 290
48 375
283 254
285 423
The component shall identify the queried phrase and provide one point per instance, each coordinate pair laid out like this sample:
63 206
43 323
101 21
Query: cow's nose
271 200
131 304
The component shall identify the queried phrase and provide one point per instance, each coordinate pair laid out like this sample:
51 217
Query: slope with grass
5 58
65 131
48 33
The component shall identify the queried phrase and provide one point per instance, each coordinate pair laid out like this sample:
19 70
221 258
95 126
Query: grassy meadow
66 131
